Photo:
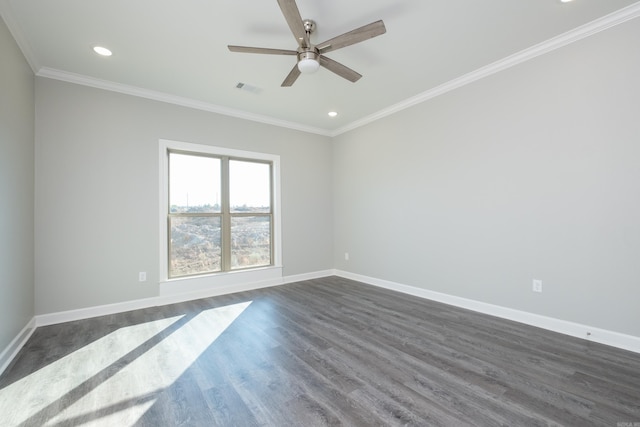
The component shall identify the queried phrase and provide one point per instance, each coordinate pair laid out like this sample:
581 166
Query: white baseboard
309 276
100 310
171 298
590 333
615 339
16 344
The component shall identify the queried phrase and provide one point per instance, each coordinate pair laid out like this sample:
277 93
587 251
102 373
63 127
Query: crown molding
579 33
616 18
81 79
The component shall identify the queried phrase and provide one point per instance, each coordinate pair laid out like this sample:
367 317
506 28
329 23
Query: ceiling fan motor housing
309 54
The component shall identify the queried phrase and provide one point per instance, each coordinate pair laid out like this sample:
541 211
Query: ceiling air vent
248 88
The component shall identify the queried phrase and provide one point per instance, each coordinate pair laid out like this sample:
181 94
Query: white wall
531 173
97 197
16 189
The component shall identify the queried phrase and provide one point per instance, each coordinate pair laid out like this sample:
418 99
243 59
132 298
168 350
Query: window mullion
226 216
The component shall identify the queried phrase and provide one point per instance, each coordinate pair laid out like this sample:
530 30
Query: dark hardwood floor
321 352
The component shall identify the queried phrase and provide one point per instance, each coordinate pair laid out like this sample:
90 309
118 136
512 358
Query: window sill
221 283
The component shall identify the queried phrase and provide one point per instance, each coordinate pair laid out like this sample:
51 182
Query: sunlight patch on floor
126 394
152 372
28 396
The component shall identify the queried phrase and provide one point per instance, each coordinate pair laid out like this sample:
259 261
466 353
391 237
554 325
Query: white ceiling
177 50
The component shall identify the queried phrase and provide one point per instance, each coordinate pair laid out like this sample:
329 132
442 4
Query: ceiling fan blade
292 15
247 49
352 37
292 77
339 69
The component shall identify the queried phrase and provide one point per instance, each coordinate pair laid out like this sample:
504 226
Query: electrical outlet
346 256
537 285
142 276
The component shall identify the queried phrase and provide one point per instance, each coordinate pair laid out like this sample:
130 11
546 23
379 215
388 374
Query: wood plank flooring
322 352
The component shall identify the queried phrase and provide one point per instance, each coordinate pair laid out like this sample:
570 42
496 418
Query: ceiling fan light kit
309 56
308 62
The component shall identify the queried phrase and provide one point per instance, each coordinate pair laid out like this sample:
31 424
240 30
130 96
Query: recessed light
103 51
565 1
332 113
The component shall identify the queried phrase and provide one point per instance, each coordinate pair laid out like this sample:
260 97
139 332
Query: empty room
310 213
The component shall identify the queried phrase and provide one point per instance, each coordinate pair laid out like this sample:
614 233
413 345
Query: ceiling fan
311 56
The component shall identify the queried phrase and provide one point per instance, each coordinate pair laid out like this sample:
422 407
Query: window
219 210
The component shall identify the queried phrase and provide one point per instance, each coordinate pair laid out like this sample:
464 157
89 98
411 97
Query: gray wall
531 173
16 189
97 191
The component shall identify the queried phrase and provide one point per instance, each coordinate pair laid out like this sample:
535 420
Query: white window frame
224 280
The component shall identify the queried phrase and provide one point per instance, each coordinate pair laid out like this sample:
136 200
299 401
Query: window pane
194 183
250 241
195 245
249 186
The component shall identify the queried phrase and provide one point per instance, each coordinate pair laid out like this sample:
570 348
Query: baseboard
602 336
95 311
103 310
9 353
309 276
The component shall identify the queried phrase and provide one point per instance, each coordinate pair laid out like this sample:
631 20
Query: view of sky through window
195 181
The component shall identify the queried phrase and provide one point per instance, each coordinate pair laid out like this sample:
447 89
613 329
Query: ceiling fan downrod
308 55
